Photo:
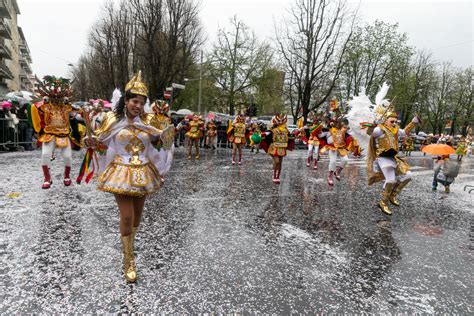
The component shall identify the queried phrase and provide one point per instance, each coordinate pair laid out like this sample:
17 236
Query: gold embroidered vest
56 119
338 138
280 138
389 140
239 130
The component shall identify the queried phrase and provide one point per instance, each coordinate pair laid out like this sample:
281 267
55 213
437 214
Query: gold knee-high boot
396 190
134 234
383 204
129 268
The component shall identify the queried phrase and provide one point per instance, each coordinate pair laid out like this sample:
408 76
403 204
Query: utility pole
200 86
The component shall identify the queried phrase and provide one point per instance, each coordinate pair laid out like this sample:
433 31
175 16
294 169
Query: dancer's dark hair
120 107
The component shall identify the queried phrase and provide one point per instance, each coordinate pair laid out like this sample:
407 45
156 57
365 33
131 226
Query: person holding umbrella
445 170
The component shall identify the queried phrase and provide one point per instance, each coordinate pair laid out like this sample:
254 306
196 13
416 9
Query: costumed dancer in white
382 160
129 162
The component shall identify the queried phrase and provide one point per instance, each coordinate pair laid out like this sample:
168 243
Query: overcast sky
57 30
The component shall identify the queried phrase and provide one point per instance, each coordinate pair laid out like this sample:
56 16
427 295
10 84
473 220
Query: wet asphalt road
224 239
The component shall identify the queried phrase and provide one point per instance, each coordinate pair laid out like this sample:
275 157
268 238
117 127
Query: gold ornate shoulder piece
109 120
147 118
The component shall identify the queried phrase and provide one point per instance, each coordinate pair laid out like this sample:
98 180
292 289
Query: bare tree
160 37
312 44
237 58
169 37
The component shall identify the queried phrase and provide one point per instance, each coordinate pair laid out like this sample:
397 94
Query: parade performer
255 137
408 145
338 141
97 114
162 120
276 143
51 122
211 139
129 162
461 149
195 131
425 142
382 160
236 135
311 133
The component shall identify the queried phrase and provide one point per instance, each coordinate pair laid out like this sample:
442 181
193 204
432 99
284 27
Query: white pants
343 160
390 177
313 149
47 150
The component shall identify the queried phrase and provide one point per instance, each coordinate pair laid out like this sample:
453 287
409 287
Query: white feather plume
360 110
380 97
116 95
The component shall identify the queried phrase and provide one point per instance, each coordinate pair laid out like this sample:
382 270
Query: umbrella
438 149
184 112
28 96
6 104
13 97
210 116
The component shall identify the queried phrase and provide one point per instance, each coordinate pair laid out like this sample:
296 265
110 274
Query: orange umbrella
438 149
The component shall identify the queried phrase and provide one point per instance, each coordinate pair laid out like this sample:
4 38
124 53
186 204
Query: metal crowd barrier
16 137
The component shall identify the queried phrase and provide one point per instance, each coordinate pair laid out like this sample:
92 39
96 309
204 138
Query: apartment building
15 58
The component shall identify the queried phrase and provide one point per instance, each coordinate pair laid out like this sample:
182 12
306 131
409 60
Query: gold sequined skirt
276 151
132 180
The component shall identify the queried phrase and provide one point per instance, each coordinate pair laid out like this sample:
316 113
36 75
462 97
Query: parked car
292 127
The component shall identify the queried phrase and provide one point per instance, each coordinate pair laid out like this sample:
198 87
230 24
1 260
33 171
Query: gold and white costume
131 164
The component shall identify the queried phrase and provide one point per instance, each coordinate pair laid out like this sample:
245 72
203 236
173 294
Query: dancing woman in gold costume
130 162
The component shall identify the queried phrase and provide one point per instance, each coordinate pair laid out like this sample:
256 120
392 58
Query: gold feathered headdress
136 85
279 119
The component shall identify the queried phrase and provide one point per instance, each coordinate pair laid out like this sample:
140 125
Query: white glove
415 120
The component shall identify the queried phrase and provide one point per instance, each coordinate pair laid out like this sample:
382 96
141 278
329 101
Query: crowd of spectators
15 129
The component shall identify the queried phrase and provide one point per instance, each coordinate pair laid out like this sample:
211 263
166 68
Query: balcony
5 30
4 10
5 51
23 75
24 49
5 72
25 65
26 84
